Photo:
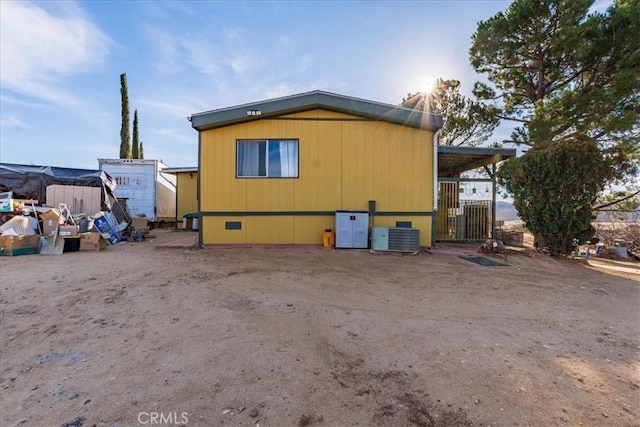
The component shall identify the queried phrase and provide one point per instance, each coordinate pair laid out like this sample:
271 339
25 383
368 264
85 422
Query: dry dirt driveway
140 336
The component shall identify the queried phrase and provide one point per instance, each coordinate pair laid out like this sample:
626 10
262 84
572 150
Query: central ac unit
396 239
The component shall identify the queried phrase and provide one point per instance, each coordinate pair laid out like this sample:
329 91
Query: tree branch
513 119
597 208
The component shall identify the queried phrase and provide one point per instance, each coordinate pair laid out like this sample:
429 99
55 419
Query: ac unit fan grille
404 239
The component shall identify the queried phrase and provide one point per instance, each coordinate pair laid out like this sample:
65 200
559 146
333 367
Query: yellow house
276 171
186 192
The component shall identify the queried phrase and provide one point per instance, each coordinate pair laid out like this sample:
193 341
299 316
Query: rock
306 420
226 411
76 422
241 408
73 396
51 358
254 412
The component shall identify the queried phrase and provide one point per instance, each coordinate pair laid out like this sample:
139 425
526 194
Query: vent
404 239
395 239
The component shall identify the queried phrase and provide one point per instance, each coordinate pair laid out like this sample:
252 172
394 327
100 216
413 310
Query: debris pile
29 229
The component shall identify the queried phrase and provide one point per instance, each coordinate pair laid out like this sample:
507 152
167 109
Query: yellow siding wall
187 194
342 165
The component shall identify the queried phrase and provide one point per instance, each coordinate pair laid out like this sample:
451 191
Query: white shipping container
148 191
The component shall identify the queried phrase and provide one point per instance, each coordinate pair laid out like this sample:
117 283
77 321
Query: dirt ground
139 336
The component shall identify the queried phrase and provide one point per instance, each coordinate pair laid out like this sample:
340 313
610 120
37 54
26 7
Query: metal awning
189 169
452 161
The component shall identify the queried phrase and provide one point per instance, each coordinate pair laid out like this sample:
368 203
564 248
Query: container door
361 230
344 230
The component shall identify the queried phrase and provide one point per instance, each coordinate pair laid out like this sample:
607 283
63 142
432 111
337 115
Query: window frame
267 141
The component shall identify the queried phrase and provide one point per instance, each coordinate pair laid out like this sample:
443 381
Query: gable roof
316 100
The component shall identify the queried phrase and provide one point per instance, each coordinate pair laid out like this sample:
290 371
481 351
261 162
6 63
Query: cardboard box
138 222
108 228
19 245
50 220
49 226
69 230
92 242
53 214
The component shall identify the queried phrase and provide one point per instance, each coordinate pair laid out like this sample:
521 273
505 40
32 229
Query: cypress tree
135 146
125 138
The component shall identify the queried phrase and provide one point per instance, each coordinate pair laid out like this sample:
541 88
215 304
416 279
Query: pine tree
569 78
467 122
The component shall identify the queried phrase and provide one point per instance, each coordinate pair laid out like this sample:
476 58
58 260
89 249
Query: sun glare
428 86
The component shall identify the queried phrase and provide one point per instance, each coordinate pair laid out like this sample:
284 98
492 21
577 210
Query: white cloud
278 90
171 107
240 62
201 57
167 50
12 122
38 49
4 99
204 53
282 89
209 57
168 9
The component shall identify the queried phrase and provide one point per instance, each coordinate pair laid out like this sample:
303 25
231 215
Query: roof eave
189 169
315 100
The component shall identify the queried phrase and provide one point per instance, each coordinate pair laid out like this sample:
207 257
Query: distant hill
506 211
613 216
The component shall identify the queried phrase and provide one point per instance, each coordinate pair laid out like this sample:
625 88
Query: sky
60 65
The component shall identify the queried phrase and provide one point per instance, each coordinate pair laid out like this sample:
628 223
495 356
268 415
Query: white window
269 158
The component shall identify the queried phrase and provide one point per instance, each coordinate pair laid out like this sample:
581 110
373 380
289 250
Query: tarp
30 182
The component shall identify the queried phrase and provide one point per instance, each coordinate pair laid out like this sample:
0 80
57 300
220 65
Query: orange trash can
328 239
